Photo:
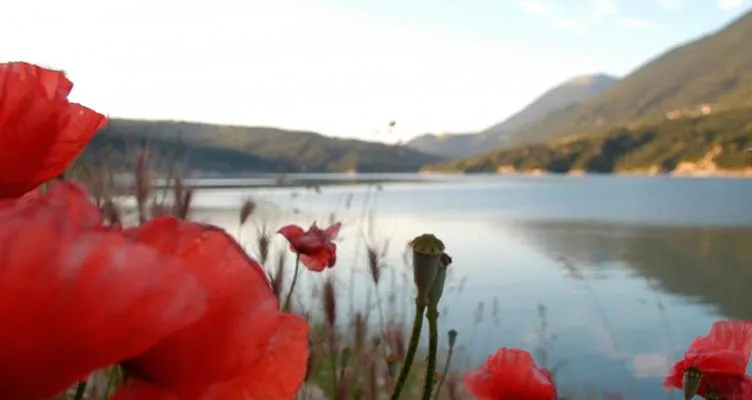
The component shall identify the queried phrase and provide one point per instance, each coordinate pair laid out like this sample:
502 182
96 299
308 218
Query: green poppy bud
427 254
452 337
691 382
437 289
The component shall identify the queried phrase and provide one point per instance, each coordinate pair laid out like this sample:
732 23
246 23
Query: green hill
716 141
236 149
715 70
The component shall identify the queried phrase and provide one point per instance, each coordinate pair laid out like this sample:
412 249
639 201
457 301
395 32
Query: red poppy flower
314 246
510 374
74 298
41 132
721 358
243 346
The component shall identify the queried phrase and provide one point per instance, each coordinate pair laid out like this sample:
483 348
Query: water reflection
712 265
621 300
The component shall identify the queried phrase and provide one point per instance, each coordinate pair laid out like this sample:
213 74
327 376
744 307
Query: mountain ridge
566 94
713 70
239 149
706 143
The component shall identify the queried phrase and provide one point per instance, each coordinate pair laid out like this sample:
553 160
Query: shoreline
737 174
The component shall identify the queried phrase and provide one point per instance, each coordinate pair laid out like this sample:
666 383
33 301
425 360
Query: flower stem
433 345
110 381
80 390
445 372
286 307
420 308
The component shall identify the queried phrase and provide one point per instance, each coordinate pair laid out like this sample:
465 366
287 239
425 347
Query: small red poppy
243 346
74 298
314 246
510 374
41 132
721 359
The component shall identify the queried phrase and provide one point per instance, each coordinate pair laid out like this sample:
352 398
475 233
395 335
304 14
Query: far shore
738 174
319 180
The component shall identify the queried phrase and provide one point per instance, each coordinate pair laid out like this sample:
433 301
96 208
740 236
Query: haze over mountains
567 94
705 81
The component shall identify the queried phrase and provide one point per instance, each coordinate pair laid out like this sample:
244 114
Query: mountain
238 149
449 145
706 75
695 144
571 92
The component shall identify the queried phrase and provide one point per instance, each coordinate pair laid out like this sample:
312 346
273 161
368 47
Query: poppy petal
137 389
41 133
271 379
82 124
54 83
722 356
332 231
74 300
510 374
324 258
64 203
730 343
291 232
233 336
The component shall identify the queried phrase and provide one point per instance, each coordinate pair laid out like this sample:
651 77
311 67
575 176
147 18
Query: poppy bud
452 337
437 289
427 252
692 380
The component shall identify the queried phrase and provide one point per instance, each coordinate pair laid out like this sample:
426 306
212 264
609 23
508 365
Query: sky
343 67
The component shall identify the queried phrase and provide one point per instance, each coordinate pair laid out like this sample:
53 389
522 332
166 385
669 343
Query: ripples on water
628 269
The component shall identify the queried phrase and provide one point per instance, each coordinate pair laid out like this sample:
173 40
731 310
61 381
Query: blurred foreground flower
75 297
715 365
314 246
41 132
510 374
243 346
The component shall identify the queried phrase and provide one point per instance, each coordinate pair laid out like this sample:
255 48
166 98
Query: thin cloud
650 365
729 4
535 7
674 5
637 23
576 27
604 8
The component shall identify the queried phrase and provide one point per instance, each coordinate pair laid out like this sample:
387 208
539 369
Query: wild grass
357 348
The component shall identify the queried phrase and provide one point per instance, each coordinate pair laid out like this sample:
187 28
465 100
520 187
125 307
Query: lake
621 273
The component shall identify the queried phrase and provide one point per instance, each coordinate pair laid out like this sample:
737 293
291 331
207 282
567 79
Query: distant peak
584 80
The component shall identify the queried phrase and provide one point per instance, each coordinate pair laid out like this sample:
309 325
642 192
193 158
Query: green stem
420 308
286 307
110 381
433 345
444 373
80 390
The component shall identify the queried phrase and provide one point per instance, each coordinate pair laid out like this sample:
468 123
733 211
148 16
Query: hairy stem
420 308
445 372
110 380
286 306
433 346
80 390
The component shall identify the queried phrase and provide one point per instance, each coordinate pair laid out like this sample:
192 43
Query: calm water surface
620 272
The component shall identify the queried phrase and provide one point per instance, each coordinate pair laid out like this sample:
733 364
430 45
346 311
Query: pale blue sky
343 67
